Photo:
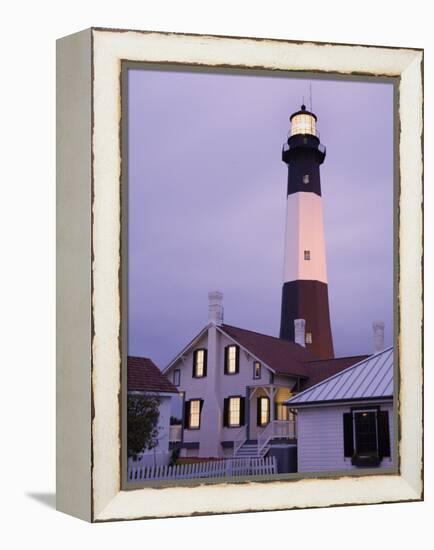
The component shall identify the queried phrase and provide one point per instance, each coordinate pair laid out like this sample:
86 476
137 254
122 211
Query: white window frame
232 400
177 377
255 364
196 373
231 360
196 414
264 399
357 411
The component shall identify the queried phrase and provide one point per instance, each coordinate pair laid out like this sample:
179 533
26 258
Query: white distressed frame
106 499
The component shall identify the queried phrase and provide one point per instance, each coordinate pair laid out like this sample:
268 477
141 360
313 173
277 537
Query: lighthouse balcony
300 141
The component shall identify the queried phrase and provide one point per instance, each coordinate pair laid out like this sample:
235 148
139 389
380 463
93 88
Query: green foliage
142 423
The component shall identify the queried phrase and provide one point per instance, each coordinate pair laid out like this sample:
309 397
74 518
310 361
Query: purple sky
207 199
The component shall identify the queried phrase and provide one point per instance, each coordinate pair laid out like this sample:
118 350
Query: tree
142 423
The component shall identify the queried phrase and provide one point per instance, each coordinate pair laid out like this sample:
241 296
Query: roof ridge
365 355
262 334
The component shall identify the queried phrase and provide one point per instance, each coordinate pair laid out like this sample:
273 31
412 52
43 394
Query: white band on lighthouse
305 257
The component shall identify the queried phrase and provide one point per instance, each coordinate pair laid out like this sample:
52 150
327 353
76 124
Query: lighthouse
305 290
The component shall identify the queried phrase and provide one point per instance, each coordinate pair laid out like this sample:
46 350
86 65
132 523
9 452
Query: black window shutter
187 414
226 412
237 359
383 434
194 364
348 435
226 360
200 411
276 412
205 361
242 411
258 411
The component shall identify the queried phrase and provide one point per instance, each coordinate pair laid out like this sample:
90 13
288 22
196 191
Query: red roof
289 358
282 356
319 370
144 375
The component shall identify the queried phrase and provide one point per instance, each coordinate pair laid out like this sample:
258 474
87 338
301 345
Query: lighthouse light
303 123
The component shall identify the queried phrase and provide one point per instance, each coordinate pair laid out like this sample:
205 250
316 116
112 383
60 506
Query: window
199 363
307 254
192 413
366 435
365 432
308 338
306 178
176 377
256 370
232 359
263 411
233 411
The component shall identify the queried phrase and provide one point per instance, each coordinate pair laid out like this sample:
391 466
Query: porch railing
284 428
276 428
239 439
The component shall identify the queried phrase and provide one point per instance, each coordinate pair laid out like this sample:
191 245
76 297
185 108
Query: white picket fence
233 467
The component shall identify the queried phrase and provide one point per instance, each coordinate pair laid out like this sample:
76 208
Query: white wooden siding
224 386
321 439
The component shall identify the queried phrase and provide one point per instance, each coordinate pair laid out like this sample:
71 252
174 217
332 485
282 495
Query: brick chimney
300 332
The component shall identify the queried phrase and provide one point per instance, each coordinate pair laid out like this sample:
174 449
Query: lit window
232 359
194 416
306 178
176 377
308 338
307 254
234 411
263 411
256 370
199 363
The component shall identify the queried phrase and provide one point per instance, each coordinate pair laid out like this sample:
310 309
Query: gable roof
371 378
144 375
282 356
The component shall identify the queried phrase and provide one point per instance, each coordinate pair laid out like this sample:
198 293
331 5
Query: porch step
251 451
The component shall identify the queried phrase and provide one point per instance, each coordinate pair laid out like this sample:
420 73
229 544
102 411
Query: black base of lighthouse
308 300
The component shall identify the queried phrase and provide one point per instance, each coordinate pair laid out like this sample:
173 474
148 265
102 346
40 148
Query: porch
268 421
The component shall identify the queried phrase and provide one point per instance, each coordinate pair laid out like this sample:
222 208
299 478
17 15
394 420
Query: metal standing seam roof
368 379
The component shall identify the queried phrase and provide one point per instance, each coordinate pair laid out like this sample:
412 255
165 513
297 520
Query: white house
346 421
145 378
235 383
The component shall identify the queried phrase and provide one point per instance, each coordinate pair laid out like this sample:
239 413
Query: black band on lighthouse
308 300
303 154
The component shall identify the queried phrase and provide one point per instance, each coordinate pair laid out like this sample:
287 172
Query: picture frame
90 285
